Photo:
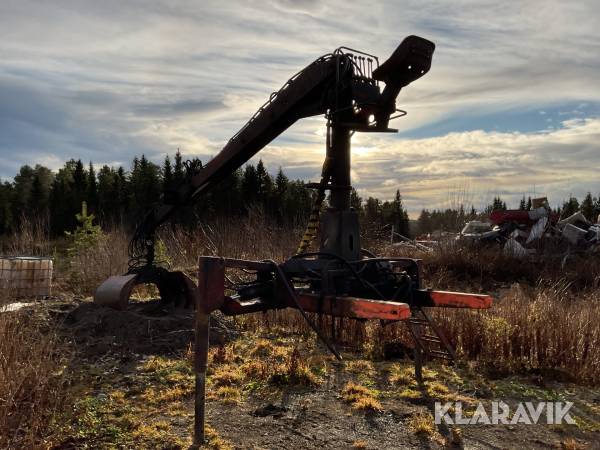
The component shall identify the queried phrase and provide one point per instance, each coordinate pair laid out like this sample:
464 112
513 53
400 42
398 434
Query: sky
510 107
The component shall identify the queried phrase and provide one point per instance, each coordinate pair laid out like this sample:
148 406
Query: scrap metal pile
526 233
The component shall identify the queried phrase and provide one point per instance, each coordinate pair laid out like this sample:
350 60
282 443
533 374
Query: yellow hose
313 222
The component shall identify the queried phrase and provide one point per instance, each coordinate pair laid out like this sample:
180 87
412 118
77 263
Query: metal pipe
339 151
200 363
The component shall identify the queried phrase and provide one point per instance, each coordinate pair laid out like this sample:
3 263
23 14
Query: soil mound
147 327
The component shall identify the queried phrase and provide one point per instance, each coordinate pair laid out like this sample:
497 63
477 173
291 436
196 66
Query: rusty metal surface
446 299
354 307
174 287
209 297
211 283
115 291
235 263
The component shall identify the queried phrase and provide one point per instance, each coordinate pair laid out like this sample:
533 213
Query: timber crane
341 278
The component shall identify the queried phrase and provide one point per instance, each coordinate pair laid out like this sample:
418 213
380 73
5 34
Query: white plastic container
25 276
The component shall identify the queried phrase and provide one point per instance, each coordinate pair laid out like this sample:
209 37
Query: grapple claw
175 288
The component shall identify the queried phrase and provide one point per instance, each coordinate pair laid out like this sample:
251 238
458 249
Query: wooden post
210 297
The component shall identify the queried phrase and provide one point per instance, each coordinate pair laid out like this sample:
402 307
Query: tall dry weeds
83 271
32 238
32 360
545 316
533 328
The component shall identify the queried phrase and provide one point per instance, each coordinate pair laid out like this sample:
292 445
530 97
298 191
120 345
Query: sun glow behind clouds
473 166
105 81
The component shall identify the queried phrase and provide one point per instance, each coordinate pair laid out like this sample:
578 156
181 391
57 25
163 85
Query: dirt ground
132 387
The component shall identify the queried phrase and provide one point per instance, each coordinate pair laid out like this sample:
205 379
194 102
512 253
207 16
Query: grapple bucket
175 288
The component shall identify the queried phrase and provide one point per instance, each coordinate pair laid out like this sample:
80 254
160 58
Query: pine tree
107 196
497 204
399 215
92 189
22 185
250 185
523 204
78 186
146 186
588 208
178 170
596 210
62 200
36 198
281 183
570 207
373 210
6 218
529 205
424 222
265 183
355 200
121 189
167 174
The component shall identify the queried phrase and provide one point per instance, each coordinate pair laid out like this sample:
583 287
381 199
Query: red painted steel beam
354 307
446 299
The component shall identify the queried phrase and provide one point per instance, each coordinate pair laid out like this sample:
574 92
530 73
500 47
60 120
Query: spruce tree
107 196
355 200
167 173
399 215
178 170
250 185
6 219
588 208
424 222
92 189
570 207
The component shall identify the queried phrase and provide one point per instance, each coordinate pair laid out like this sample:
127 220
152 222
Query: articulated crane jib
341 278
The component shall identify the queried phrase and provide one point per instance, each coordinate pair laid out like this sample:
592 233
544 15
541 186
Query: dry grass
421 423
227 394
216 442
83 272
361 398
405 374
547 327
572 444
360 444
32 362
31 239
227 375
549 320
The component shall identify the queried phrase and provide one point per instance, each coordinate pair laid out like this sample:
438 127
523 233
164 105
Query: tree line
453 219
118 197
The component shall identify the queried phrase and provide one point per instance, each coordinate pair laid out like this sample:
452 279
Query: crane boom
343 86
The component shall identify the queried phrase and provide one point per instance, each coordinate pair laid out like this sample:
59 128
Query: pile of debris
524 233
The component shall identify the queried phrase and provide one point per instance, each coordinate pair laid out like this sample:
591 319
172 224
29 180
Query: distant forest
118 197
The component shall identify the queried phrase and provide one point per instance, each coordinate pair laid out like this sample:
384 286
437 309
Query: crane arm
343 85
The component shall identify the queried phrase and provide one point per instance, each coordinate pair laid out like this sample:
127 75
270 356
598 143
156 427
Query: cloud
470 167
104 81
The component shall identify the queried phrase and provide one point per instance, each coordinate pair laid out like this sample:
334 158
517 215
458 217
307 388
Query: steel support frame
210 296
